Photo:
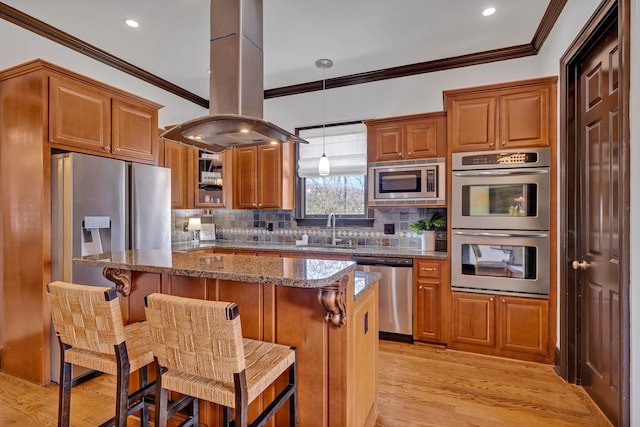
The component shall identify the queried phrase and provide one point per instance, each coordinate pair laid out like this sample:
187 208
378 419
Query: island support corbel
121 278
332 298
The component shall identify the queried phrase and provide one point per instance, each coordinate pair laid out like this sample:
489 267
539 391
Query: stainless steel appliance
500 262
501 190
396 295
500 221
419 182
101 205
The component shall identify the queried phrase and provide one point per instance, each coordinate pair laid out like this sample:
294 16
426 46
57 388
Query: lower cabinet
430 293
502 326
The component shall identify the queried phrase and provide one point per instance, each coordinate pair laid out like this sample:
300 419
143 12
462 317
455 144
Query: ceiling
360 36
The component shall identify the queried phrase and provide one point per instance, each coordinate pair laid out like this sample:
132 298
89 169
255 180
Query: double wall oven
500 222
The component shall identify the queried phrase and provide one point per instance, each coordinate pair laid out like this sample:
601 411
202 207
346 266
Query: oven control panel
497 159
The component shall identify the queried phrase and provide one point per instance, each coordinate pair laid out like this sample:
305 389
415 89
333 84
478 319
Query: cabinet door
427 316
389 142
79 115
524 119
245 169
135 129
523 325
422 139
427 325
269 176
176 158
471 123
474 319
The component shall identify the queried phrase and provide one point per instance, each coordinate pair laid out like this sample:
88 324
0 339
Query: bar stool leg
64 398
144 412
122 386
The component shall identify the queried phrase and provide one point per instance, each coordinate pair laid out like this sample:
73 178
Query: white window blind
346 148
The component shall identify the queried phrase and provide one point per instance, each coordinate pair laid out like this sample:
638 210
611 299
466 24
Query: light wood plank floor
419 385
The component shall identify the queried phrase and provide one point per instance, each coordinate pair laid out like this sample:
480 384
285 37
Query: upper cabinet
408 137
510 115
199 178
89 117
263 177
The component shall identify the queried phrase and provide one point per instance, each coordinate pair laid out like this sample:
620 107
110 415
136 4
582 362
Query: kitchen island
314 305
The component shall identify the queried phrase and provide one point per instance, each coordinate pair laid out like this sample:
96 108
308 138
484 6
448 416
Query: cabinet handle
420 287
107 148
117 150
409 153
399 153
491 299
503 301
428 269
491 145
504 143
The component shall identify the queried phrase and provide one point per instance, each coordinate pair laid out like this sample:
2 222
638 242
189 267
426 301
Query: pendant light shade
323 165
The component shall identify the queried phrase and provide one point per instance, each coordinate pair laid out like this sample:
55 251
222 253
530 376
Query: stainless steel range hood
235 84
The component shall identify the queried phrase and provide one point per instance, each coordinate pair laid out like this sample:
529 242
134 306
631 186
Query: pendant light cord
324 108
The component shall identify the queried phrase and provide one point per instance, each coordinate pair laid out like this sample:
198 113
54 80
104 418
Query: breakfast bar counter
314 305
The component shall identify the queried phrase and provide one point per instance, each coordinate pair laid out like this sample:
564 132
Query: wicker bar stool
88 322
201 353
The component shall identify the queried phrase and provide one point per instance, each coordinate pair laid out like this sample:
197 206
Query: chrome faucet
332 224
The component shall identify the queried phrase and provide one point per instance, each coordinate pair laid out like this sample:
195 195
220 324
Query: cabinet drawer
429 269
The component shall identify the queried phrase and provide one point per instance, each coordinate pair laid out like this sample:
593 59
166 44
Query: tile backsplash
247 225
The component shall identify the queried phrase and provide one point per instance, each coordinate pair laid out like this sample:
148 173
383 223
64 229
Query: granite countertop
295 272
387 251
363 281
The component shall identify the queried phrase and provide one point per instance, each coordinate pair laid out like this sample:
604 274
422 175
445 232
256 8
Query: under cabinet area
408 137
509 115
431 293
501 326
89 117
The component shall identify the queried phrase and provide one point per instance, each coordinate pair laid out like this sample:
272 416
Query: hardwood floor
418 385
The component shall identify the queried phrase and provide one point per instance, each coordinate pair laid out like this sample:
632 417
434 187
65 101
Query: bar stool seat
200 352
88 322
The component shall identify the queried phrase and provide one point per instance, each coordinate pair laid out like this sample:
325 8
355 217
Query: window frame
364 220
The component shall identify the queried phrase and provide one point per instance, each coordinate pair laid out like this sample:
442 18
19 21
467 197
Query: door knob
580 265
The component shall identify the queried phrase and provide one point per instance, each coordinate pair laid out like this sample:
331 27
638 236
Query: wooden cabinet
263 177
502 326
511 115
88 117
44 108
407 137
178 158
199 178
431 291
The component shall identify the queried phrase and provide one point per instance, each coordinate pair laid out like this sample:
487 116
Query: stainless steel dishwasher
396 294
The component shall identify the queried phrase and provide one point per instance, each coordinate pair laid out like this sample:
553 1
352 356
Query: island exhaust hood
235 84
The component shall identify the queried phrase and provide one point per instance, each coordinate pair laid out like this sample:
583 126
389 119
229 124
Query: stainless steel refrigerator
101 205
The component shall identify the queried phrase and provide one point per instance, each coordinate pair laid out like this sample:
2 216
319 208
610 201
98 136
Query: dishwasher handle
385 261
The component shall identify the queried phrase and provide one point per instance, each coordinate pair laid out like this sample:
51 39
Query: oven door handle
503 172
488 234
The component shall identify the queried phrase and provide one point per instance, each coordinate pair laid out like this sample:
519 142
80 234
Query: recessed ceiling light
489 11
132 23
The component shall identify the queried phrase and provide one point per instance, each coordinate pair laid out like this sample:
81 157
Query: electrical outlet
270 226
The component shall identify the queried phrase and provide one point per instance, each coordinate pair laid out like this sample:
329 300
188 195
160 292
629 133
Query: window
343 191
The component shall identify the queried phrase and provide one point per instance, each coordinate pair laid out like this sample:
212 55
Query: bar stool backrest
86 317
196 337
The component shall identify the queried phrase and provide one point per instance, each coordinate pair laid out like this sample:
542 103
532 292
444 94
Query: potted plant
426 228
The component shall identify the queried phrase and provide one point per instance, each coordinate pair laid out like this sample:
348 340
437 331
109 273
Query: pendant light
323 164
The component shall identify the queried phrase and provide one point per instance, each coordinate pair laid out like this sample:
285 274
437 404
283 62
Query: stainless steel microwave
407 183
